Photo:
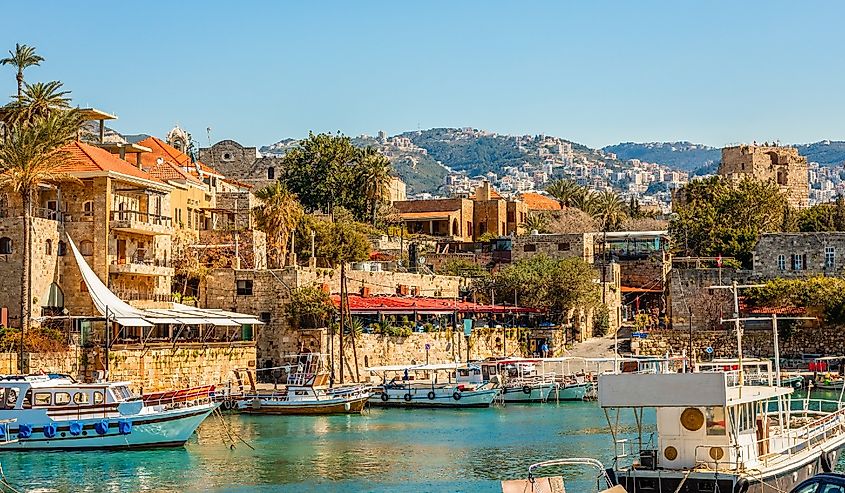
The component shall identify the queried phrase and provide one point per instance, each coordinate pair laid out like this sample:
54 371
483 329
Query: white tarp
104 300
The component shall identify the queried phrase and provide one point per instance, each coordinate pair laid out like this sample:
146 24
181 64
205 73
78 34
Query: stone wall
692 301
580 245
781 165
757 341
241 163
794 255
252 247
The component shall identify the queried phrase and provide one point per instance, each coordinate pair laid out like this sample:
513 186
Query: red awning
403 304
631 289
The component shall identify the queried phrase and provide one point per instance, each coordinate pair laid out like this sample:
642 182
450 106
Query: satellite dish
421 260
159 161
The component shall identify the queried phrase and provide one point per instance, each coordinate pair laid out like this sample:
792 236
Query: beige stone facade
799 255
568 245
781 165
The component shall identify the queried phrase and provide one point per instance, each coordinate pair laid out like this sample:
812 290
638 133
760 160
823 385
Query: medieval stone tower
782 165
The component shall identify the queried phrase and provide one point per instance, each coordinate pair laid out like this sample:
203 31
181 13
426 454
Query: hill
679 155
825 152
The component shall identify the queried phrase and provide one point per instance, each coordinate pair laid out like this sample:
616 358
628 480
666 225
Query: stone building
566 245
244 164
781 165
799 255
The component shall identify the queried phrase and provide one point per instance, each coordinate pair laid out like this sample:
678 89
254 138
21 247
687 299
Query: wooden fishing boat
556 484
422 386
521 379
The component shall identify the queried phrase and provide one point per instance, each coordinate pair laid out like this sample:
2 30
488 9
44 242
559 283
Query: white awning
132 322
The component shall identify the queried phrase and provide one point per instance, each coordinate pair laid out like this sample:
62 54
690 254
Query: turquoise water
391 450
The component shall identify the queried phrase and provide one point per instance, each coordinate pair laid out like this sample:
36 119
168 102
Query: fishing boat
55 412
570 375
431 385
521 379
556 484
755 371
720 431
307 392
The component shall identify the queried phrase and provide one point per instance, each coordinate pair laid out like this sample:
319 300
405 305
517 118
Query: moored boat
55 412
556 484
307 392
422 386
522 380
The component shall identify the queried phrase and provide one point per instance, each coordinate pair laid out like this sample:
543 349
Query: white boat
57 413
556 484
521 379
307 392
432 385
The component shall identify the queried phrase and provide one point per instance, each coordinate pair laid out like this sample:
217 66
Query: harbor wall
826 340
444 347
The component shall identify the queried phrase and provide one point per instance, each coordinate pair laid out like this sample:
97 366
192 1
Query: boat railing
824 425
180 398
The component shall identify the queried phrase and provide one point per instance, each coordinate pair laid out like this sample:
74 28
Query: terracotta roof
400 304
539 202
426 216
494 195
747 309
167 152
87 158
167 171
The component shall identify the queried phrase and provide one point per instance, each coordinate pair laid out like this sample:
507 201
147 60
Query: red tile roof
538 202
168 171
161 149
402 304
87 158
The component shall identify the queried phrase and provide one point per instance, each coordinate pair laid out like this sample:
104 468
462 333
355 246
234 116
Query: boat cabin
57 391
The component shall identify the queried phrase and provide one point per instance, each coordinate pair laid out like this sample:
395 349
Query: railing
180 398
131 295
141 257
40 212
142 217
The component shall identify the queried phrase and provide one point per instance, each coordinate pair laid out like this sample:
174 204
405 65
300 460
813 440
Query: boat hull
536 393
575 392
782 479
333 406
441 398
166 429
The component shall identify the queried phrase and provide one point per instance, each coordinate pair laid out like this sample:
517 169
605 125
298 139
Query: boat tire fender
384 397
75 428
24 431
741 486
526 390
101 427
431 395
49 430
124 427
408 397
828 461
227 405
456 396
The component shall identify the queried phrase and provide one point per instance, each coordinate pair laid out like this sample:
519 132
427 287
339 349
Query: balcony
140 263
39 212
141 223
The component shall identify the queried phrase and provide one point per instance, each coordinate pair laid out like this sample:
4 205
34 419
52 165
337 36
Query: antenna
208 133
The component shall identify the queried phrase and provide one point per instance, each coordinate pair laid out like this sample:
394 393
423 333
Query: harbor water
390 450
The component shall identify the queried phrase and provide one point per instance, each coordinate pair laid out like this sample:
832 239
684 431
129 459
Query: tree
571 220
609 210
565 191
38 100
537 221
309 307
277 215
23 57
374 178
716 217
818 218
33 152
462 267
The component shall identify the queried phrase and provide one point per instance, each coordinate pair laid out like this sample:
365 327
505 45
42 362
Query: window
563 247
482 228
832 488
98 397
80 398
715 417
88 208
271 173
11 397
511 216
810 488
83 288
53 205
227 156
264 317
5 245
43 398
781 262
799 262
62 398
245 287
86 248
48 247
529 247
829 257
62 250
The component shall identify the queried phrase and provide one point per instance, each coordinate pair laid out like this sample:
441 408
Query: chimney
483 191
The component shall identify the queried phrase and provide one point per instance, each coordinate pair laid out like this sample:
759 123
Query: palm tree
536 221
375 178
565 191
277 216
609 210
24 56
584 199
31 154
37 100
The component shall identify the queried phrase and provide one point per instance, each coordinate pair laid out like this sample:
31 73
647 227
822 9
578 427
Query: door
121 251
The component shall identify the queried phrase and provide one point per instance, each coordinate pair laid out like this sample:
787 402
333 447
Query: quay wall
756 342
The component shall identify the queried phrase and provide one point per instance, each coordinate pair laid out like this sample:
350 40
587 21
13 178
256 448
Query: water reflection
383 450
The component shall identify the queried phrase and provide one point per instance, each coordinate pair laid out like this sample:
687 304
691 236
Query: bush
36 339
601 320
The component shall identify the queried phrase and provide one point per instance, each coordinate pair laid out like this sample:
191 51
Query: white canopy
113 308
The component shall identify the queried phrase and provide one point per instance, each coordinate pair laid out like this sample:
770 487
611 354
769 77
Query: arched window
782 177
88 208
86 248
5 245
48 247
55 297
271 173
62 249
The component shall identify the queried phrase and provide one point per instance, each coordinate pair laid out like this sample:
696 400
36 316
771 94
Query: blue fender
101 427
49 430
124 427
75 428
24 431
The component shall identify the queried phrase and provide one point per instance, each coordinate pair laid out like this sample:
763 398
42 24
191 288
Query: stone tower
782 165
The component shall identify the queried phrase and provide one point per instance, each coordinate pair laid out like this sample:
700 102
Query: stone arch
773 156
55 297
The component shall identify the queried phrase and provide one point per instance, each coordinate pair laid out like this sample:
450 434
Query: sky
596 72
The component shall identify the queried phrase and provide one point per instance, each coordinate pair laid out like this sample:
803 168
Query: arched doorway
54 301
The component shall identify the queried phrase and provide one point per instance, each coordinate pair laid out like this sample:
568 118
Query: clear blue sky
595 72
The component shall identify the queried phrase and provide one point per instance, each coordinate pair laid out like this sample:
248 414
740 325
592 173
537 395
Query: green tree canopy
309 307
462 267
717 217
